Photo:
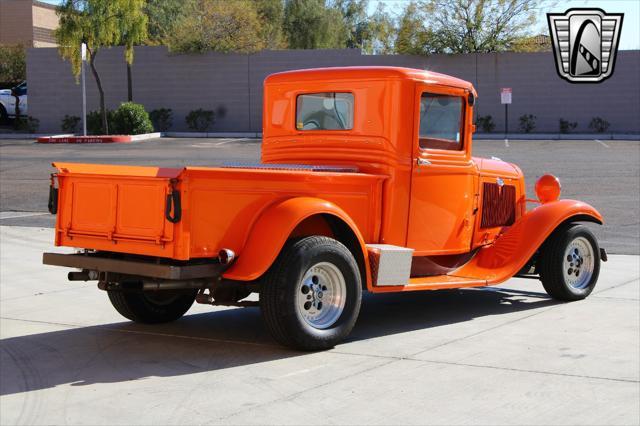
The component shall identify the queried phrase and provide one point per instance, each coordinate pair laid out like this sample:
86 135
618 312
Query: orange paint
548 188
410 188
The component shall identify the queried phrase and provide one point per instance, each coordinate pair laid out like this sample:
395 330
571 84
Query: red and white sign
505 95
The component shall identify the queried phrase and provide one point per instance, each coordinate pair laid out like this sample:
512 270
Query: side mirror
471 99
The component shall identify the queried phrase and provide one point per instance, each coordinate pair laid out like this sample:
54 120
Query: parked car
8 101
367 183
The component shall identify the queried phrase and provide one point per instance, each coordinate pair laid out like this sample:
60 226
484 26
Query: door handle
423 162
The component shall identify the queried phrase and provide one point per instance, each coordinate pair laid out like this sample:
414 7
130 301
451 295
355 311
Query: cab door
441 211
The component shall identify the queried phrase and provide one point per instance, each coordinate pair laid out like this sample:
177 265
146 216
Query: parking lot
502 355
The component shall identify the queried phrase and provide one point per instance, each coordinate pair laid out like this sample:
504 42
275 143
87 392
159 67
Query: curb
251 135
30 135
557 136
97 139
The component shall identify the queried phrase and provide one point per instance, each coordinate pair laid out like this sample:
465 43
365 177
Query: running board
435 282
391 272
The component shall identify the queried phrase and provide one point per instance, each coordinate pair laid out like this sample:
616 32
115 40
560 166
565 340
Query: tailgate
118 208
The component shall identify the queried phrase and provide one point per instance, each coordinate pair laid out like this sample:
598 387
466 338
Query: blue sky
629 39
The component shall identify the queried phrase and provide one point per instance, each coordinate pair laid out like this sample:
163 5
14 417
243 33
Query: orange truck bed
132 209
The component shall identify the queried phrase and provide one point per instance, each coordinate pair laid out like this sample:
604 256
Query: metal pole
506 120
84 93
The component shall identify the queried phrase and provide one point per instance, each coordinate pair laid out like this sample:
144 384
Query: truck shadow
205 342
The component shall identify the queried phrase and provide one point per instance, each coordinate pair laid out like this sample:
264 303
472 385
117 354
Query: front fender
272 229
503 259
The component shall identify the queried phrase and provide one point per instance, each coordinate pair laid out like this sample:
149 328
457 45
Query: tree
271 15
13 64
383 32
163 16
133 31
465 26
312 24
357 23
229 26
412 33
98 23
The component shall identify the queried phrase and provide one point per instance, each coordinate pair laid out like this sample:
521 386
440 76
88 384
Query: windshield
440 121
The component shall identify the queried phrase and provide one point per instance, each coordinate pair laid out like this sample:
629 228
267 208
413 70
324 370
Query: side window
324 111
441 121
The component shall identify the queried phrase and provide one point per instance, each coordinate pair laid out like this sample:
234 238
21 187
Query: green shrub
566 126
162 119
527 122
70 124
131 119
94 122
486 123
27 124
599 125
200 120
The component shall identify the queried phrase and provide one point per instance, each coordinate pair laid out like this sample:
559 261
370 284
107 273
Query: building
27 22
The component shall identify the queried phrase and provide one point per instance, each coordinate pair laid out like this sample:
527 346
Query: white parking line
14 215
506 143
601 143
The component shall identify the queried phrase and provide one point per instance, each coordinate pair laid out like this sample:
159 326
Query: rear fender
272 229
513 249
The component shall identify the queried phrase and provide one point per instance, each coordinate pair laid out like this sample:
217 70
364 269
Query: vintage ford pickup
366 183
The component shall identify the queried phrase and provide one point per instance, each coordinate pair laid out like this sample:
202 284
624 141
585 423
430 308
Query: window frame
295 111
463 112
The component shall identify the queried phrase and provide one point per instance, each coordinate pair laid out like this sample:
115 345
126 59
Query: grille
498 205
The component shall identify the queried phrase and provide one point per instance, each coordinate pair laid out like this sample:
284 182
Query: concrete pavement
503 355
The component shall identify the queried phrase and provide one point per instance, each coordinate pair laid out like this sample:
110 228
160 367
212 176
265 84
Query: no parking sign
505 95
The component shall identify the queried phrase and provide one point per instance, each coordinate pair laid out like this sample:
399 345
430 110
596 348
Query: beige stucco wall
44 16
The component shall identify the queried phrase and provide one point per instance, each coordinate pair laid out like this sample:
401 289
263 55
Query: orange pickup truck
367 183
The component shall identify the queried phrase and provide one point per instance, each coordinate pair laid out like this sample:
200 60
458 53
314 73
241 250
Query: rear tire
310 298
569 263
152 307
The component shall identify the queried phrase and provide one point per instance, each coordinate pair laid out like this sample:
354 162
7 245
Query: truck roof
370 73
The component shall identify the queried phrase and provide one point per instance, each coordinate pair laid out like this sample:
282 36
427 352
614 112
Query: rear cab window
441 118
324 111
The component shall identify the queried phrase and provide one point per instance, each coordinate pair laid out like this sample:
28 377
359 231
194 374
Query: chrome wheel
321 295
579 263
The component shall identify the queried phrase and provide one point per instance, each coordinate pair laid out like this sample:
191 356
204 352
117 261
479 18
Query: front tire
569 264
4 117
310 298
152 307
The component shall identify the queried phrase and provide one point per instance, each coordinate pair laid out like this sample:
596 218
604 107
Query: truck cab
366 183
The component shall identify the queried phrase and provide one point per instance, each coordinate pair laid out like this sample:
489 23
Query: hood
497 167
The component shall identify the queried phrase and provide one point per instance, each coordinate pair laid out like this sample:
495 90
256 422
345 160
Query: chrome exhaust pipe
172 285
226 256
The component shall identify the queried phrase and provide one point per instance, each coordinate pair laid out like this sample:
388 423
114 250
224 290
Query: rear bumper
138 267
